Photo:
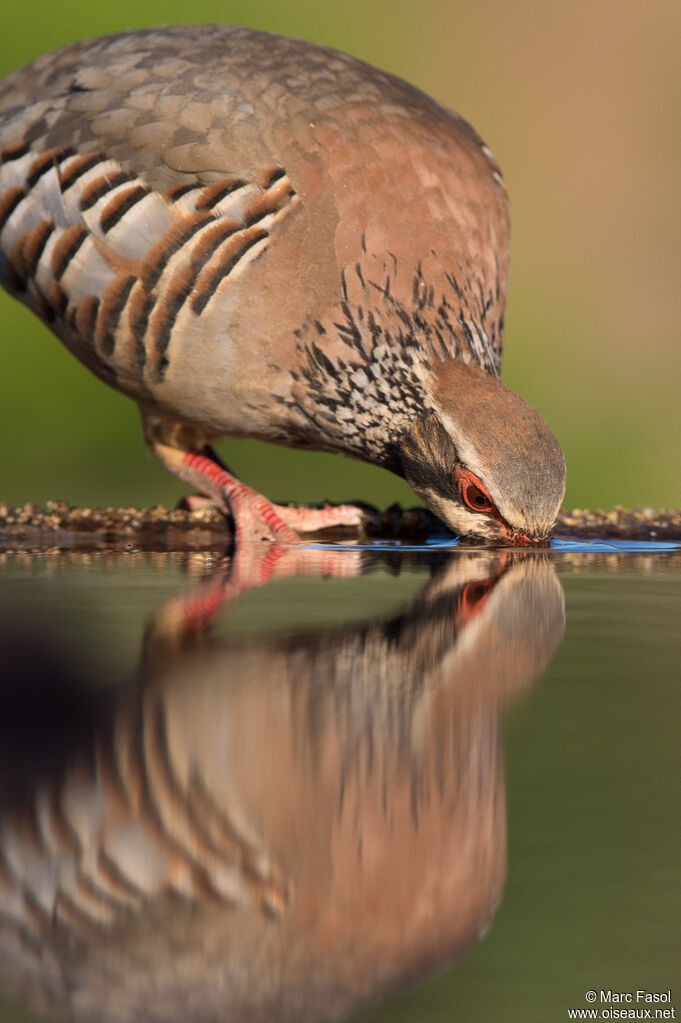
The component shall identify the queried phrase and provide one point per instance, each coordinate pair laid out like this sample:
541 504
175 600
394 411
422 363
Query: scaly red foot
254 516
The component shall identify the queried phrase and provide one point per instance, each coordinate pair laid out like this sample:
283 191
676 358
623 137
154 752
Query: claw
255 518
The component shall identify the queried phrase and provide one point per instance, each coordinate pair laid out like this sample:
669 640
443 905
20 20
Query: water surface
388 784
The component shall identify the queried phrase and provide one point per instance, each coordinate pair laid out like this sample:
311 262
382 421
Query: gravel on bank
59 525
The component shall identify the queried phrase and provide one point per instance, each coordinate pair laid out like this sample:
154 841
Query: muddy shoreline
59 525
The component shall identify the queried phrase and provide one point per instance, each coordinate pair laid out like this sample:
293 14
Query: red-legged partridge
254 236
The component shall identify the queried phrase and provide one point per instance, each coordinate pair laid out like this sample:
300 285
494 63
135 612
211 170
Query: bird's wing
118 220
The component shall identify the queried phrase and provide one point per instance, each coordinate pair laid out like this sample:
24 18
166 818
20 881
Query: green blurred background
579 102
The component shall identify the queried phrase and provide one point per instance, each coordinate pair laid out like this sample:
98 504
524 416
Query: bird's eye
476 499
474 493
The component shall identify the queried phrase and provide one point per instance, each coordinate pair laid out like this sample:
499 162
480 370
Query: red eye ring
474 494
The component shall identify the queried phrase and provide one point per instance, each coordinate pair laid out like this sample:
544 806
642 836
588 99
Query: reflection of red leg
252 565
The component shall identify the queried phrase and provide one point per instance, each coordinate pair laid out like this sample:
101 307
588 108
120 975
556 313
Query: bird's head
484 460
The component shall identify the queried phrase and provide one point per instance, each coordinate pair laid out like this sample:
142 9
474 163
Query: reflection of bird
282 828
254 236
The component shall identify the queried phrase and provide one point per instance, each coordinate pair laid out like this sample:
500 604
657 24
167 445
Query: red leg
187 454
302 518
311 520
254 516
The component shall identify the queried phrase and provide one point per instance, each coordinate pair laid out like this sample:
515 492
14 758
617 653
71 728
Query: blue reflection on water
614 545
442 543
437 543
